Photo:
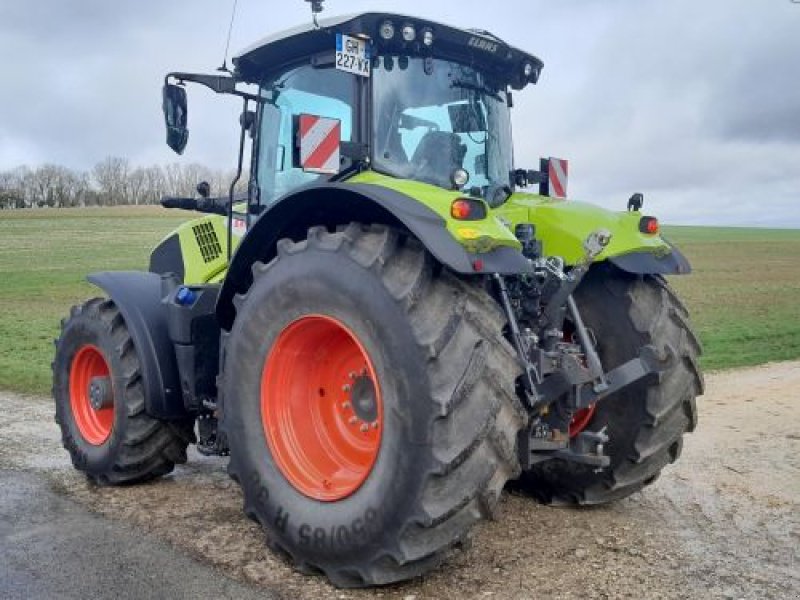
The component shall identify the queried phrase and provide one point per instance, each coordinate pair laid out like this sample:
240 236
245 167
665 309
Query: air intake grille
207 241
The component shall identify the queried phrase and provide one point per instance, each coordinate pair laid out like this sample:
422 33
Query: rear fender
138 296
332 204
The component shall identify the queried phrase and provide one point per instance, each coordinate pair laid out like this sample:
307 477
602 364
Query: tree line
111 182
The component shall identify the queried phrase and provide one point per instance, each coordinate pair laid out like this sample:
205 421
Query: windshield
432 117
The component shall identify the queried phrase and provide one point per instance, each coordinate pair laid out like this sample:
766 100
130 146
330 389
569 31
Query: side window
305 90
415 123
421 121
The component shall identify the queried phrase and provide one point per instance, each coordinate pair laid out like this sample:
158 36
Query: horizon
702 121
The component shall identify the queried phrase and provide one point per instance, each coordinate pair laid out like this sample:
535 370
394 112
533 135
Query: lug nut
345 405
364 428
346 387
353 420
375 425
352 374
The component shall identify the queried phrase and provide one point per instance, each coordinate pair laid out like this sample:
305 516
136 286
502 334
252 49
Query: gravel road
722 523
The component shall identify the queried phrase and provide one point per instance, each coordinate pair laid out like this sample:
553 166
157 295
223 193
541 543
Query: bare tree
155 183
111 178
112 181
12 188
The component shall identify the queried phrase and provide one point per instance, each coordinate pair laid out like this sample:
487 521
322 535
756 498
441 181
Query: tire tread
472 369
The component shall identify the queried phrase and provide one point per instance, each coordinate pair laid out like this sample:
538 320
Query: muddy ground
722 523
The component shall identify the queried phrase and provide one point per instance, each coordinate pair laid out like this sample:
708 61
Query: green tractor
393 322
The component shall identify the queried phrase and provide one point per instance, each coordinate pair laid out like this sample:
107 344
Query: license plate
352 55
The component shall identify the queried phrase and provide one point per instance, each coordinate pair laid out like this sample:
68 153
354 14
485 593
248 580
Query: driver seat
438 154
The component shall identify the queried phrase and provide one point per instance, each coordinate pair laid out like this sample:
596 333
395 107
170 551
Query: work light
387 30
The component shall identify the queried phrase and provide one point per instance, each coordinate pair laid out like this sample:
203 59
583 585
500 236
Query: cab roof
470 46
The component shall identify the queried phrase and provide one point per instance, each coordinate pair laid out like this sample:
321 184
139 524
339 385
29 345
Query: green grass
44 258
743 295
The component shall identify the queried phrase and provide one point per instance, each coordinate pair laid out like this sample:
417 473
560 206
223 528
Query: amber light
464 209
649 225
460 209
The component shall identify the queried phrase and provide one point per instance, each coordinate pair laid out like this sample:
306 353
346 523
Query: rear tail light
648 225
467 209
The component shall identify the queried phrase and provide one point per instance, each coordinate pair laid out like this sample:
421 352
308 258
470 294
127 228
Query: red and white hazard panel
557 173
319 144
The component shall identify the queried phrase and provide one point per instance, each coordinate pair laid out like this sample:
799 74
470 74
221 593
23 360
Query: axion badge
319 144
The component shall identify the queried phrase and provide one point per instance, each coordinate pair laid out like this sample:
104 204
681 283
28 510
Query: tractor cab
401 96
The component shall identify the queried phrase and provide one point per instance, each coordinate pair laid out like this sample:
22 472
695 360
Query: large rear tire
99 398
644 421
368 309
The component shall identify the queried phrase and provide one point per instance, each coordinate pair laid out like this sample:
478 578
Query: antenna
224 68
316 8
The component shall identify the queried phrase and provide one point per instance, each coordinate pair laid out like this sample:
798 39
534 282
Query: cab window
304 90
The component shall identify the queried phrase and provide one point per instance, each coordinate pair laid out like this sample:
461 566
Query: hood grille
207 242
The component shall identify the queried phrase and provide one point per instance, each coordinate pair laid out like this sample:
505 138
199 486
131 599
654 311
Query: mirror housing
174 106
204 189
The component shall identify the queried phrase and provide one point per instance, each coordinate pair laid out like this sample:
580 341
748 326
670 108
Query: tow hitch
575 383
570 373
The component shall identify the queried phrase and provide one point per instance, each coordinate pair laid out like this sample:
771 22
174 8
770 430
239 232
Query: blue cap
185 296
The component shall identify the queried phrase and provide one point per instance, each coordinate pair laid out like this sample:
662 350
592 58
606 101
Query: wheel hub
100 393
364 400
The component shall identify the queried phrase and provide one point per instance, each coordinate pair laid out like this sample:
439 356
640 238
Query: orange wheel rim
94 424
321 408
581 419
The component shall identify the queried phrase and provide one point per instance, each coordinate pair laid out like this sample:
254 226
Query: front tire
99 399
645 421
368 305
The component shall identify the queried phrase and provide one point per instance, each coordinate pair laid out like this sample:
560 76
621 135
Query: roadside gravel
724 522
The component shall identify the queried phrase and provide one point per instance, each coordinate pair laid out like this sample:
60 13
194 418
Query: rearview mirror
175 116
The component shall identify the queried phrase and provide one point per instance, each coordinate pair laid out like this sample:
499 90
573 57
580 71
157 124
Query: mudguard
648 263
333 204
138 296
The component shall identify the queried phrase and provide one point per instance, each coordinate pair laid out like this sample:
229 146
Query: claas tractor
394 321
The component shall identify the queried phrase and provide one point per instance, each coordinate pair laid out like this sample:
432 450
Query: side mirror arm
221 84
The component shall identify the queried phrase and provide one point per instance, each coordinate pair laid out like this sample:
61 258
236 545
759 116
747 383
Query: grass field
743 295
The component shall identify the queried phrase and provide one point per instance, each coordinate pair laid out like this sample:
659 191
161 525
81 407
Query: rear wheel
644 421
99 397
369 403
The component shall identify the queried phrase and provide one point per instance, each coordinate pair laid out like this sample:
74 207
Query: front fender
138 296
562 226
648 263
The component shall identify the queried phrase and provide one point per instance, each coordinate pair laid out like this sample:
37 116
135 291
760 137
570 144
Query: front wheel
645 421
99 398
369 404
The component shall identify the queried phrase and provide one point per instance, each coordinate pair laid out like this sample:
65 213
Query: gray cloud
696 104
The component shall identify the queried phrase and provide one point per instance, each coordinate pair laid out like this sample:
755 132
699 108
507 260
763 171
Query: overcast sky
695 103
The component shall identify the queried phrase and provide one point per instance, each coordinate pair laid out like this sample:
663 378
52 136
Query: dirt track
722 523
